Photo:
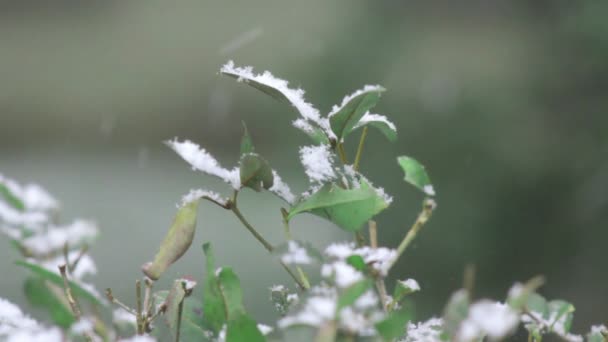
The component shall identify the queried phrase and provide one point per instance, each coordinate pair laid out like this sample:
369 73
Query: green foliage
176 242
13 200
183 313
255 172
39 293
344 120
394 325
348 208
416 175
352 293
456 311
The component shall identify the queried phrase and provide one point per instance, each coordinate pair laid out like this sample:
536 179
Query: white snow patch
56 237
429 190
380 258
264 329
196 194
121 315
428 331
43 335
189 284
369 117
348 98
33 196
343 274
318 163
487 318
340 250
281 189
278 288
202 160
411 284
139 338
316 311
296 254
82 326
86 264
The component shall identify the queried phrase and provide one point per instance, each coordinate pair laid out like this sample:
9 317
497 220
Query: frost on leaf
196 194
487 318
381 123
281 189
379 259
345 117
279 89
16 326
201 160
54 238
318 163
429 331
296 254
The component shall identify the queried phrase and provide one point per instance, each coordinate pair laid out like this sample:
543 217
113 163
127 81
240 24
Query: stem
180 309
305 283
68 293
468 280
113 300
252 230
147 298
138 316
427 210
342 153
360 149
373 234
294 276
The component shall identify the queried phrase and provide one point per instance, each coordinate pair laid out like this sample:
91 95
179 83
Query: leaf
357 262
343 119
243 329
404 288
213 304
255 172
379 122
192 323
538 304
348 208
416 175
562 314
13 200
77 289
232 295
246 142
393 326
352 293
177 315
176 242
456 311
40 294
597 334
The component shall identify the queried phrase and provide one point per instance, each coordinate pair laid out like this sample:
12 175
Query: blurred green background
504 101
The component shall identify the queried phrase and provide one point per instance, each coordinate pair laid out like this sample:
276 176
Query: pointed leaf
343 119
176 242
255 172
49 296
192 323
357 262
348 208
379 122
416 175
178 316
214 310
456 311
404 288
232 295
246 142
77 289
562 314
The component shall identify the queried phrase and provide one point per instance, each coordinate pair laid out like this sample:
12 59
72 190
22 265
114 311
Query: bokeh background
504 101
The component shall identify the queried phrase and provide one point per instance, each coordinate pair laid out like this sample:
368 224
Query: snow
86 264
428 331
264 329
380 258
121 315
201 160
15 326
316 311
33 196
46 335
343 274
82 326
196 194
13 217
189 284
281 189
368 117
429 190
551 323
369 299
56 237
303 125
278 288
139 338
411 284
296 254
318 163
340 250
492 319
294 96
598 329
366 89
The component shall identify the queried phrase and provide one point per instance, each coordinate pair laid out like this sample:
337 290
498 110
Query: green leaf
40 294
597 334
348 208
388 130
563 313
352 293
404 288
13 200
267 89
519 294
177 316
318 136
176 242
213 304
345 118
538 304
255 172
243 329
246 142
232 295
393 326
78 291
416 175
456 311
357 262
192 323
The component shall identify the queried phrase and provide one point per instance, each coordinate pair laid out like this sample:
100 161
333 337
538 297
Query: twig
149 283
68 293
113 300
360 149
427 210
468 279
252 230
139 317
380 285
82 252
373 234
180 309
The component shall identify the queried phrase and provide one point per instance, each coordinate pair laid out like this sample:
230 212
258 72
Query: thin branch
373 234
139 316
81 254
427 210
249 227
68 293
113 300
342 153
148 283
360 149
468 279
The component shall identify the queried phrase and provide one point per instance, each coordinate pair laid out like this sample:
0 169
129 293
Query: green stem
360 149
427 210
303 277
252 230
342 153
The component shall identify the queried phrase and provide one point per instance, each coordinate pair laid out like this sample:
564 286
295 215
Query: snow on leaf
32 196
79 233
381 123
278 89
345 117
318 163
202 160
281 189
487 318
429 331
296 254
196 194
